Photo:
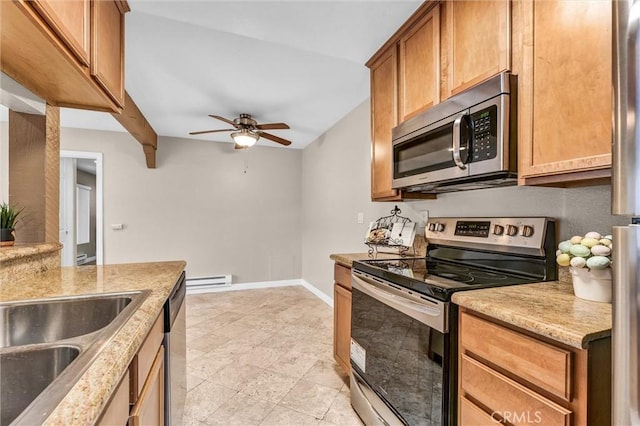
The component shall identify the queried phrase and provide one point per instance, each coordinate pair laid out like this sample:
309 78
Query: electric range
404 327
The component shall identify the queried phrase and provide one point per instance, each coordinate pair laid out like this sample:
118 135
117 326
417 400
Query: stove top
438 279
472 256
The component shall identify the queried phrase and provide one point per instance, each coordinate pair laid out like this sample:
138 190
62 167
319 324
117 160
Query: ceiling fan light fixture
245 137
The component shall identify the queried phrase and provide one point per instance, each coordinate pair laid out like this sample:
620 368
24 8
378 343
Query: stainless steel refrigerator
626 202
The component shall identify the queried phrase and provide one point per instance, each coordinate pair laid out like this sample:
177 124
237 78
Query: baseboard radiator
206 284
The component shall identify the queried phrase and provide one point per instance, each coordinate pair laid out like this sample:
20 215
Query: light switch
117 226
360 217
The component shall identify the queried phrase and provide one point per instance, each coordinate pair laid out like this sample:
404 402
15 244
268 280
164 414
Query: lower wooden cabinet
509 376
117 411
139 398
142 362
342 317
146 390
149 409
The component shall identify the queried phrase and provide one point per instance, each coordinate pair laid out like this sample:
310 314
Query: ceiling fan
247 131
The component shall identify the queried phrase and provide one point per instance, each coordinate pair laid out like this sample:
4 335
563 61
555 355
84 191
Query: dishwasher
175 355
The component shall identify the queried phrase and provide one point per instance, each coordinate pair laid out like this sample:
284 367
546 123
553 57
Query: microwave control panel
485 128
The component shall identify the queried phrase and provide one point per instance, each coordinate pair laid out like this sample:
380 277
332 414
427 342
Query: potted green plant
8 219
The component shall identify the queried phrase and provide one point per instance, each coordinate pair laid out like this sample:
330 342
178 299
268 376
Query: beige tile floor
263 357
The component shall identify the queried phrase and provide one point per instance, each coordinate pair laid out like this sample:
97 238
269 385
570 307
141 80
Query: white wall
336 185
223 211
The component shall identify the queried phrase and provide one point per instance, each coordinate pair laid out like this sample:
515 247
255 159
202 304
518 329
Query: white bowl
592 284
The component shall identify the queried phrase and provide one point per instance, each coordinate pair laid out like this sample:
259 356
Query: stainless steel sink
46 345
22 385
57 319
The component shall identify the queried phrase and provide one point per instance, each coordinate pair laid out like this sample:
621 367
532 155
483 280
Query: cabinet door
565 90
383 118
69 19
519 354
342 326
141 365
478 42
149 410
107 39
471 415
117 410
502 395
419 60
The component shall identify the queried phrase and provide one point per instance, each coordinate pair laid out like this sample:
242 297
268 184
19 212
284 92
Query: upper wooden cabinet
384 115
419 66
443 48
70 53
478 37
565 91
70 21
405 80
107 46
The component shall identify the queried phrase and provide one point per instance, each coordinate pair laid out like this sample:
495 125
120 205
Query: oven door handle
398 300
434 317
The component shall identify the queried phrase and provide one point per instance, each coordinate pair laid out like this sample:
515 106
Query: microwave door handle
457 135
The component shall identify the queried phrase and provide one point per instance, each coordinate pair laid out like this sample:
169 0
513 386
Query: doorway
81 208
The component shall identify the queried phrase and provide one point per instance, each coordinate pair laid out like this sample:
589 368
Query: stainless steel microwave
466 142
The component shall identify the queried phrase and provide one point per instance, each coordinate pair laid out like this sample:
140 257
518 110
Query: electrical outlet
360 217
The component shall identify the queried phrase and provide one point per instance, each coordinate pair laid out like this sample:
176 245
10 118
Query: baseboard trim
267 284
318 293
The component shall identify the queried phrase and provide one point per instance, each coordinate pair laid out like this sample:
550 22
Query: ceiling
299 62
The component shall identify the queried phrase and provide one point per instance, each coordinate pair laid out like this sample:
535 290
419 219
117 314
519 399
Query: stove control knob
512 230
439 227
526 230
498 229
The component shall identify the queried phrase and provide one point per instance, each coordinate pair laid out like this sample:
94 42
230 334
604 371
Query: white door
69 164
68 211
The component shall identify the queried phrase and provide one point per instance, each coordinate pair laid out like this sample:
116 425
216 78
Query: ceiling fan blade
226 120
211 131
275 138
272 126
240 147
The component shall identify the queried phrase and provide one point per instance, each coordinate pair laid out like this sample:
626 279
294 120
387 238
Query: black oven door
400 363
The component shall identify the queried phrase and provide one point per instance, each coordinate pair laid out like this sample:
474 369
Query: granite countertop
19 251
86 400
548 309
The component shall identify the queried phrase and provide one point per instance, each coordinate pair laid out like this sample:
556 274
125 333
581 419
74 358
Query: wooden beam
134 122
150 156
